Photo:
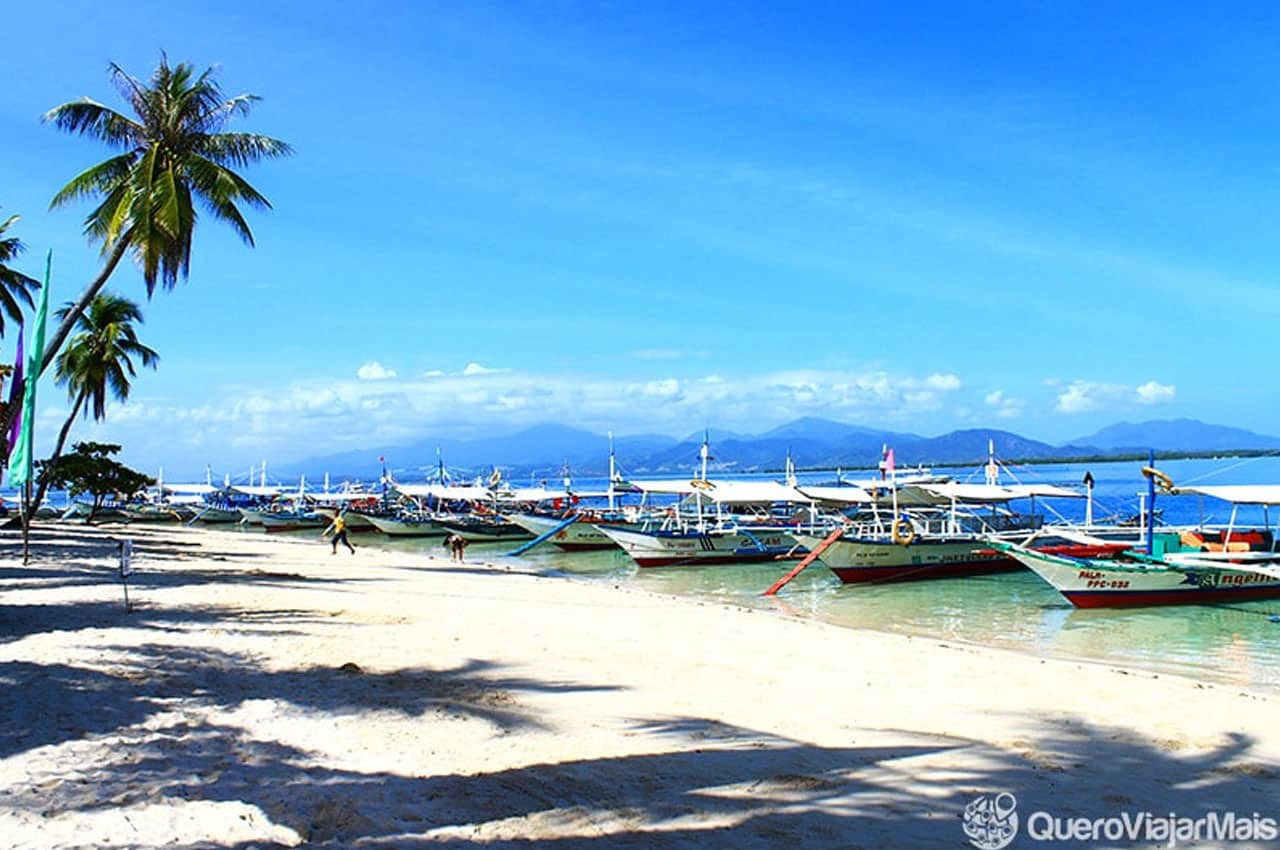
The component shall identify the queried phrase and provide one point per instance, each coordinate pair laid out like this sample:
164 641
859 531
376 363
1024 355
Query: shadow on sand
699 783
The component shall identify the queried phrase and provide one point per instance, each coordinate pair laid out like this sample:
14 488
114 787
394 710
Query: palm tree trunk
64 330
57 451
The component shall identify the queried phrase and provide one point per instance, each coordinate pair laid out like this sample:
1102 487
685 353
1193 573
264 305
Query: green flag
21 459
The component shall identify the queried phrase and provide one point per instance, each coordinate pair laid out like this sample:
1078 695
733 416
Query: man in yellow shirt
339 529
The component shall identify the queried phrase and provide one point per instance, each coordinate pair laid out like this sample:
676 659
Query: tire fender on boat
903 531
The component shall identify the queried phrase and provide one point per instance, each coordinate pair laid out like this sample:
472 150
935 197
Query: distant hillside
541 451
972 444
1188 435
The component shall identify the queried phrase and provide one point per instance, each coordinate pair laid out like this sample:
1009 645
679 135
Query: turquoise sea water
1227 644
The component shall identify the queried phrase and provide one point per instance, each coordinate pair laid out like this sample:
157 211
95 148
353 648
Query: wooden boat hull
581 536
357 523
217 515
859 560
481 531
293 523
678 549
395 527
1100 584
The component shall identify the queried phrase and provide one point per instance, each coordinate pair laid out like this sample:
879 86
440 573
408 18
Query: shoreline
268 693
778 607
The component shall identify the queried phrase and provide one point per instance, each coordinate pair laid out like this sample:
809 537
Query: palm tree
14 285
98 361
174 157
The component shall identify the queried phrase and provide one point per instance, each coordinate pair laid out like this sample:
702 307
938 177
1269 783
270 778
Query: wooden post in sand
126 569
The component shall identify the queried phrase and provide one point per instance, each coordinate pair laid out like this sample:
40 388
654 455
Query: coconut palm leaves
16 288
174 158
99 361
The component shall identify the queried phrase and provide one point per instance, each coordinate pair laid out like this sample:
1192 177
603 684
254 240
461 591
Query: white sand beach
264 693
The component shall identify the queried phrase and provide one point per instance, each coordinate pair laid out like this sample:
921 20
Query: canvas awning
837 495
463 493
1240 494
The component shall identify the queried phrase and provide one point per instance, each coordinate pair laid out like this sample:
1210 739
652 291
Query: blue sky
657 216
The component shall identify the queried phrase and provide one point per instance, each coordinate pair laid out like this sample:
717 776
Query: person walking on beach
339 529
457 545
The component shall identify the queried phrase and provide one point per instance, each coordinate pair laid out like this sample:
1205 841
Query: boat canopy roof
1051 491
944 492
447 492
669 487
190 489
341 497
748 492
533 494
252 490
842 495
1240 494
724 491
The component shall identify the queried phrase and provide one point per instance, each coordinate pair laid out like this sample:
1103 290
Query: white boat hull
675 548
1096 583
576 537
395 527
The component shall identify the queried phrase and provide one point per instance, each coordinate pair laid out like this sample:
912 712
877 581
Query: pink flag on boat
888 461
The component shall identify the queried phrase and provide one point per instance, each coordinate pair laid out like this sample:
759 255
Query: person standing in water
339 529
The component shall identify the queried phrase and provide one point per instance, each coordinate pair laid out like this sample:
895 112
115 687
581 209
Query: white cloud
1082 396
375 371
946 383
433 373
1153 393
476 369
667 388
1005 407
243 424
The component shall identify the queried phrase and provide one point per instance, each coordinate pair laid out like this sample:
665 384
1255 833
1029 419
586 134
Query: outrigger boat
951 539
708 526
1175 567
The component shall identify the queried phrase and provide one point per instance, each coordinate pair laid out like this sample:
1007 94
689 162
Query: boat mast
612 472
705 451
1151 504
1088 504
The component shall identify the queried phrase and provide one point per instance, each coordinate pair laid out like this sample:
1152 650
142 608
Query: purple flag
16 426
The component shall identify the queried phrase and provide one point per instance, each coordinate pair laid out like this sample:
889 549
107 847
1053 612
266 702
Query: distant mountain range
542 451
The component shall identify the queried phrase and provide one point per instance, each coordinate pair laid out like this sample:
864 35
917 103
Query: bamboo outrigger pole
808 559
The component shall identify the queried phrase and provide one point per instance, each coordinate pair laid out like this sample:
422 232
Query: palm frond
95 180
90 118
240 149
